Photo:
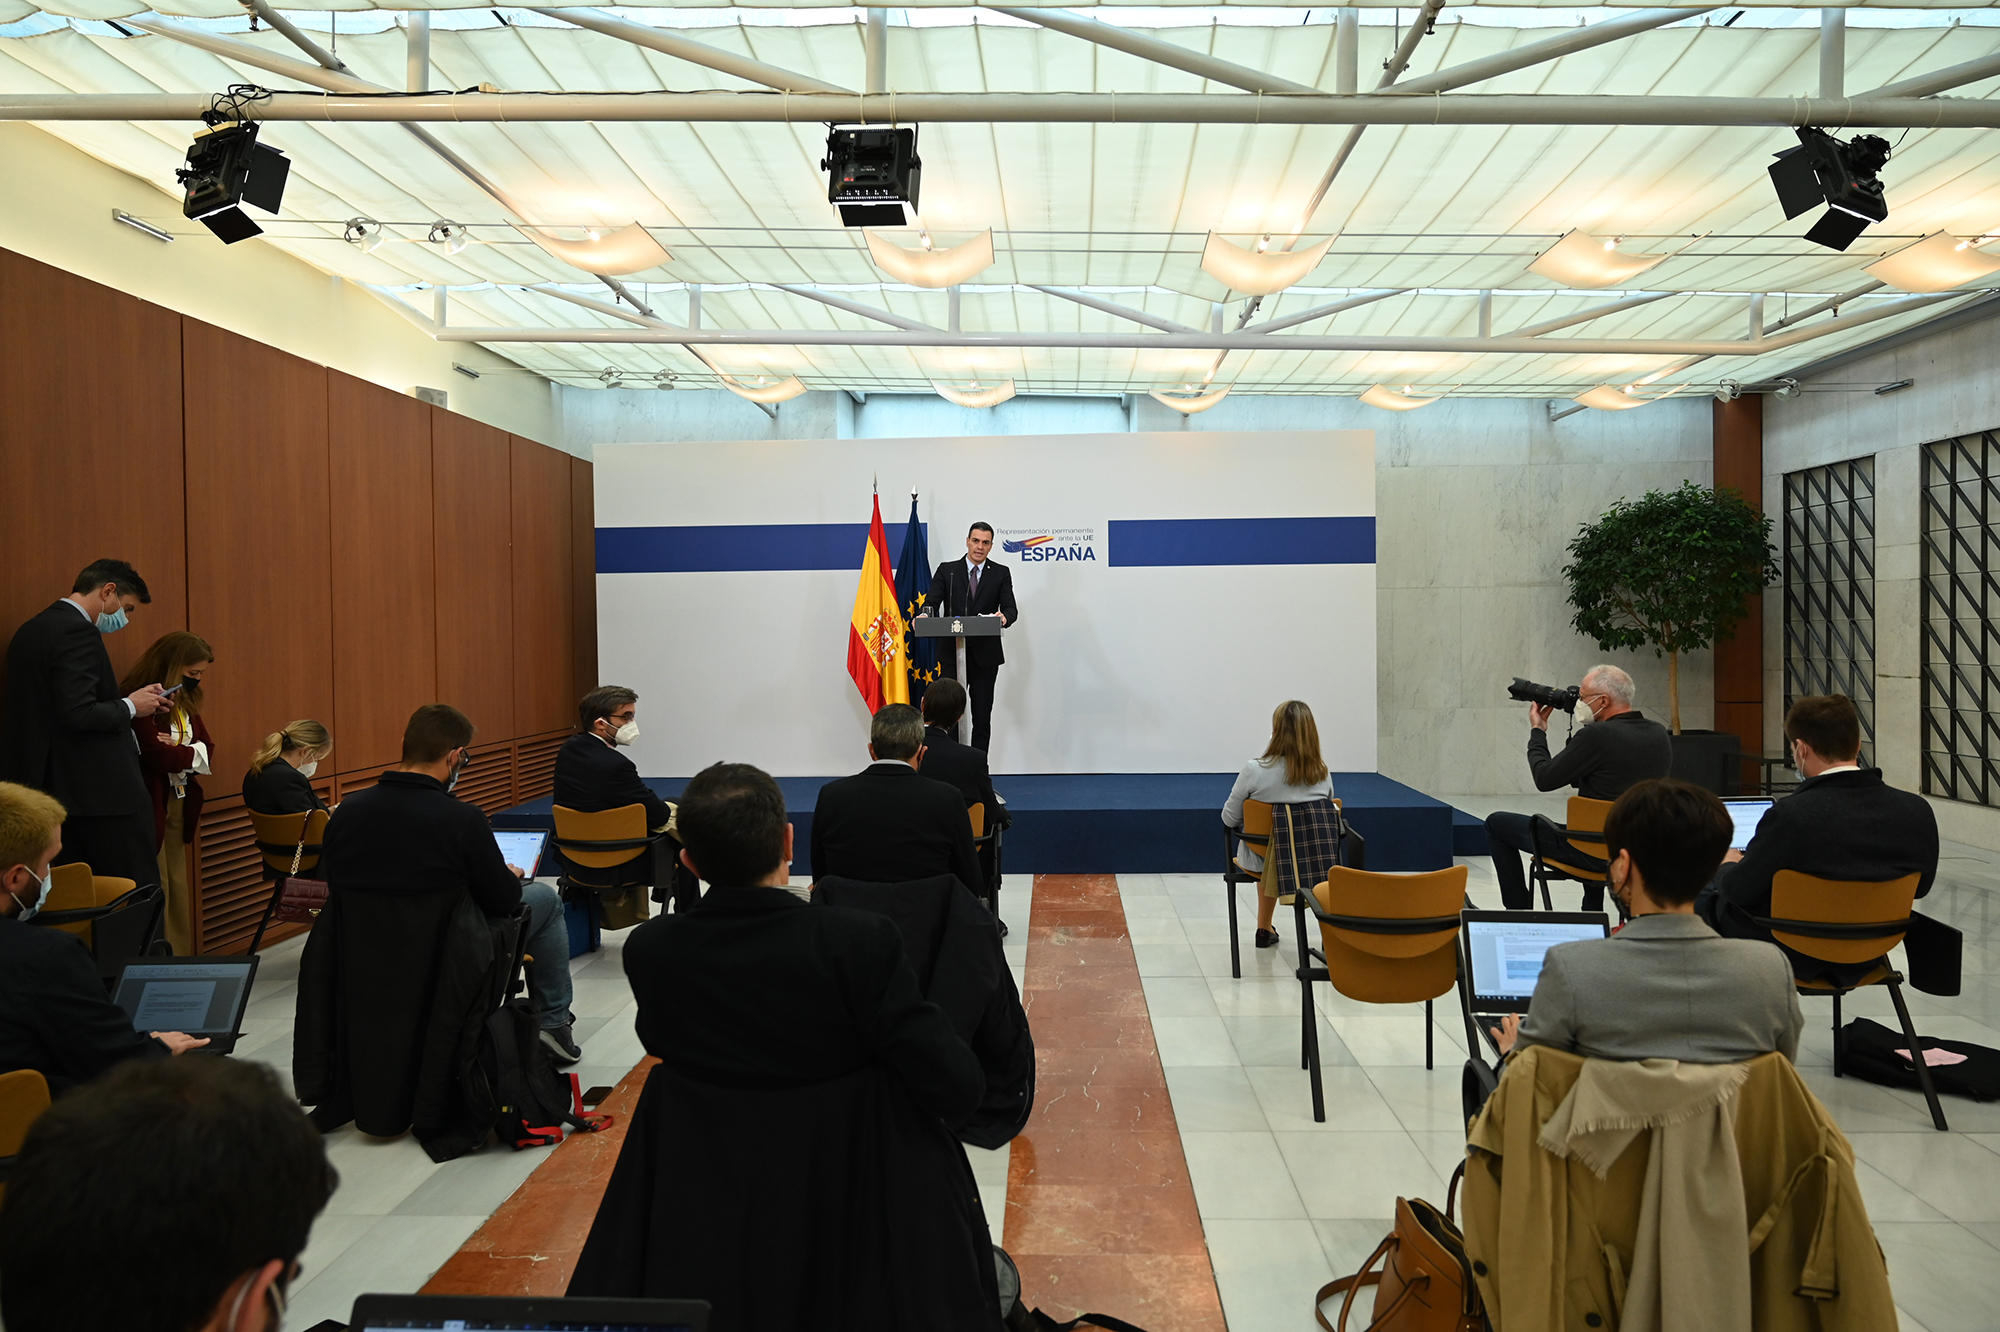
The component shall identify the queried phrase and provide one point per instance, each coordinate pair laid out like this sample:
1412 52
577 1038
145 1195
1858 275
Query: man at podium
976 586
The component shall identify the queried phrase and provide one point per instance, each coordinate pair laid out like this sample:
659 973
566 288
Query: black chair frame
1552 849
1892 980
148 897
1232 875
992 838
1353 855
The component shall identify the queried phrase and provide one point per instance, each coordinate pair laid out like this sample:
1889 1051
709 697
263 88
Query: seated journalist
398 859
1666 986
1843 822
165 1197
54 1017
789 1160
1290 771
1616 748
889 823
281 771
960 765
593 776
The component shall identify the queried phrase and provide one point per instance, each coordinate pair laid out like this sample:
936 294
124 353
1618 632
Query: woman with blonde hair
281 771
174 753
1290 772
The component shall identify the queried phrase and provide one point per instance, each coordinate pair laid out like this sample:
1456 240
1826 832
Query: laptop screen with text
1745 815
1507 949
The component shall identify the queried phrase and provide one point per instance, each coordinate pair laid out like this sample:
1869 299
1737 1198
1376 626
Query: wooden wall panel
477 648
1738 456
384 605
542 588
258 539
583 577
90 446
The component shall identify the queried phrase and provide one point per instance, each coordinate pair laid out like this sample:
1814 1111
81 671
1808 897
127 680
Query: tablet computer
1505 949
202 996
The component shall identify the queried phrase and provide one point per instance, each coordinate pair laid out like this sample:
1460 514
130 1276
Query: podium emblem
958 626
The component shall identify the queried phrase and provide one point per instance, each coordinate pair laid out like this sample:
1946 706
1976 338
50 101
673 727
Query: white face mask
28 908
308 769
627 733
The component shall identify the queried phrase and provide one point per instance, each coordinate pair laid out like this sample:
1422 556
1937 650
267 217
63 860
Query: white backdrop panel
1155 668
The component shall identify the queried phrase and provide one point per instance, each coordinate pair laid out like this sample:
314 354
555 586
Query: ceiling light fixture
1608 399
1823 170
611 377
227 167
1938 262
1256 273
1389 400
1787 389
1581 260
630 249
873 176
1189 406
365 232
783 391
975 396
664 379
1896 387
451 235
930 267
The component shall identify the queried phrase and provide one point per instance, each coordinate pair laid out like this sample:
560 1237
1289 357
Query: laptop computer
1504 952
202 996
522 847
491 1313
1745 814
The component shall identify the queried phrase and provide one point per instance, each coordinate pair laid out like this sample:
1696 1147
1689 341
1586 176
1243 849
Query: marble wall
1839 416
1476 500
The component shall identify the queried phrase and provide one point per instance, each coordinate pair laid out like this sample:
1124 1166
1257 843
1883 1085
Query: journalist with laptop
1666 986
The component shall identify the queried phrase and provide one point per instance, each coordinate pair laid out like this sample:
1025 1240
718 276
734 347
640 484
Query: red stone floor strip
530 1245
1100 1208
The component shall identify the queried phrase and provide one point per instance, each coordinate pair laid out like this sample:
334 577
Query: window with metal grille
1830 585
1961 552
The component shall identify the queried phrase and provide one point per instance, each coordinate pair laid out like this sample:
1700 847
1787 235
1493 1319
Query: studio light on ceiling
1262 271
1392 400
630 249
1582 260
975 396
364 232
1607 399
1187 406
1823 170
783 390
873 176
226 168
1935 263
933 268
451 235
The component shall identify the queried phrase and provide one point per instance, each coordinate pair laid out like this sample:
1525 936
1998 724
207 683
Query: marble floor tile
1271 1039
1268 1272
1178 996
1358 1174
1943 1274
1352 1101
1215 1099
396 1254
1240 1175
1955 1176
1194 1039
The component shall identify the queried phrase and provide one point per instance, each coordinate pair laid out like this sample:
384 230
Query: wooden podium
958 628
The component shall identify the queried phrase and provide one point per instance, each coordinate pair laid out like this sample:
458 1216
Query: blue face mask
112 623
28 911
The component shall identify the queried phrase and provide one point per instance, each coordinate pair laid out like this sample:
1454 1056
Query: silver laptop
202 996
1505 949
522 847
1745 815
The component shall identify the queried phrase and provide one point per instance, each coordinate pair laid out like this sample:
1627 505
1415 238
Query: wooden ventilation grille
233 887
537 764
489 783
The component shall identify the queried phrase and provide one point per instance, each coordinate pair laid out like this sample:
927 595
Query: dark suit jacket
279 788
67 730
948 761
54 1017
1842 825
950 589
888 824
592 776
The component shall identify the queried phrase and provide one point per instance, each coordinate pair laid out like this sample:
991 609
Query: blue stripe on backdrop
755 548
1190 541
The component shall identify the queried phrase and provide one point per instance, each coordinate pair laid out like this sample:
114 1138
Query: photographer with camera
1616 749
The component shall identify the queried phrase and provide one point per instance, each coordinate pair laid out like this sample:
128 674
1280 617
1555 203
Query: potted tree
1672 571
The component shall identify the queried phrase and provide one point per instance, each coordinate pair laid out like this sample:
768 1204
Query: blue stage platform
1135 823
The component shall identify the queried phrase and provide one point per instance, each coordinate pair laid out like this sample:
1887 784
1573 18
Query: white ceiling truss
1439 159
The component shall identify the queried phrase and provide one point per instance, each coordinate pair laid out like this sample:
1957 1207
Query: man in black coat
789 1160
1843 822
962 766
888 823
68 731
54 1017
591 776
976 585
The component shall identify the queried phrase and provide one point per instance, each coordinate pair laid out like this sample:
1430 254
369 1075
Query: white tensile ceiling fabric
1120 211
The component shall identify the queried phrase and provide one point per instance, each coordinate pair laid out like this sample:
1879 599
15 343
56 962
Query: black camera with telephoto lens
1527 691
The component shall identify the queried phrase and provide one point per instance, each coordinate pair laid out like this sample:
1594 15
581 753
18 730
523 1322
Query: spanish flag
875 639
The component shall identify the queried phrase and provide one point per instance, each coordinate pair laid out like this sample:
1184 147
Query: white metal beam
1322 311
875 51
1122 311
1832 53
1951 76
417 51
695 53
1585 316
639 317
879 315
1549 48
1158 51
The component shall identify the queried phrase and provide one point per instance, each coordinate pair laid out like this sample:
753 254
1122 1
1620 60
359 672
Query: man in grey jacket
1666 986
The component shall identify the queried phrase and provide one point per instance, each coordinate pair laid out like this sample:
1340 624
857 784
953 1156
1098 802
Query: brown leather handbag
1425 1284
300 900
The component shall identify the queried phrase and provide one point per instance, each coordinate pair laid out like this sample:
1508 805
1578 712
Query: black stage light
227 167
1823 170
873 176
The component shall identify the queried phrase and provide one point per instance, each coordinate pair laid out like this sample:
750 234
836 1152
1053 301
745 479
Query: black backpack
1868 1051
512 1077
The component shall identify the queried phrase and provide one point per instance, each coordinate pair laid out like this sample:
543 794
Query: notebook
202 996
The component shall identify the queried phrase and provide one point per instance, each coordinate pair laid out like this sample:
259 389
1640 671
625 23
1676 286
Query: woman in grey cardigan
1290 772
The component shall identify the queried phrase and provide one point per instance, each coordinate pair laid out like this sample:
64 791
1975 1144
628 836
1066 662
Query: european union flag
913 581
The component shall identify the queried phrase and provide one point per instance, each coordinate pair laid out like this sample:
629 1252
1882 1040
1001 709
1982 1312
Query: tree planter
1709 759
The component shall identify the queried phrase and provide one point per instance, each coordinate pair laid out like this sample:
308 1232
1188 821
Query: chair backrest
278 839
128 930
73 887
976 811
627 823
1386 965
24 1094
1808 899
1257 822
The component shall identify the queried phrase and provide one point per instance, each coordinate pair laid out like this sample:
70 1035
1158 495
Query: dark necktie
975 584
